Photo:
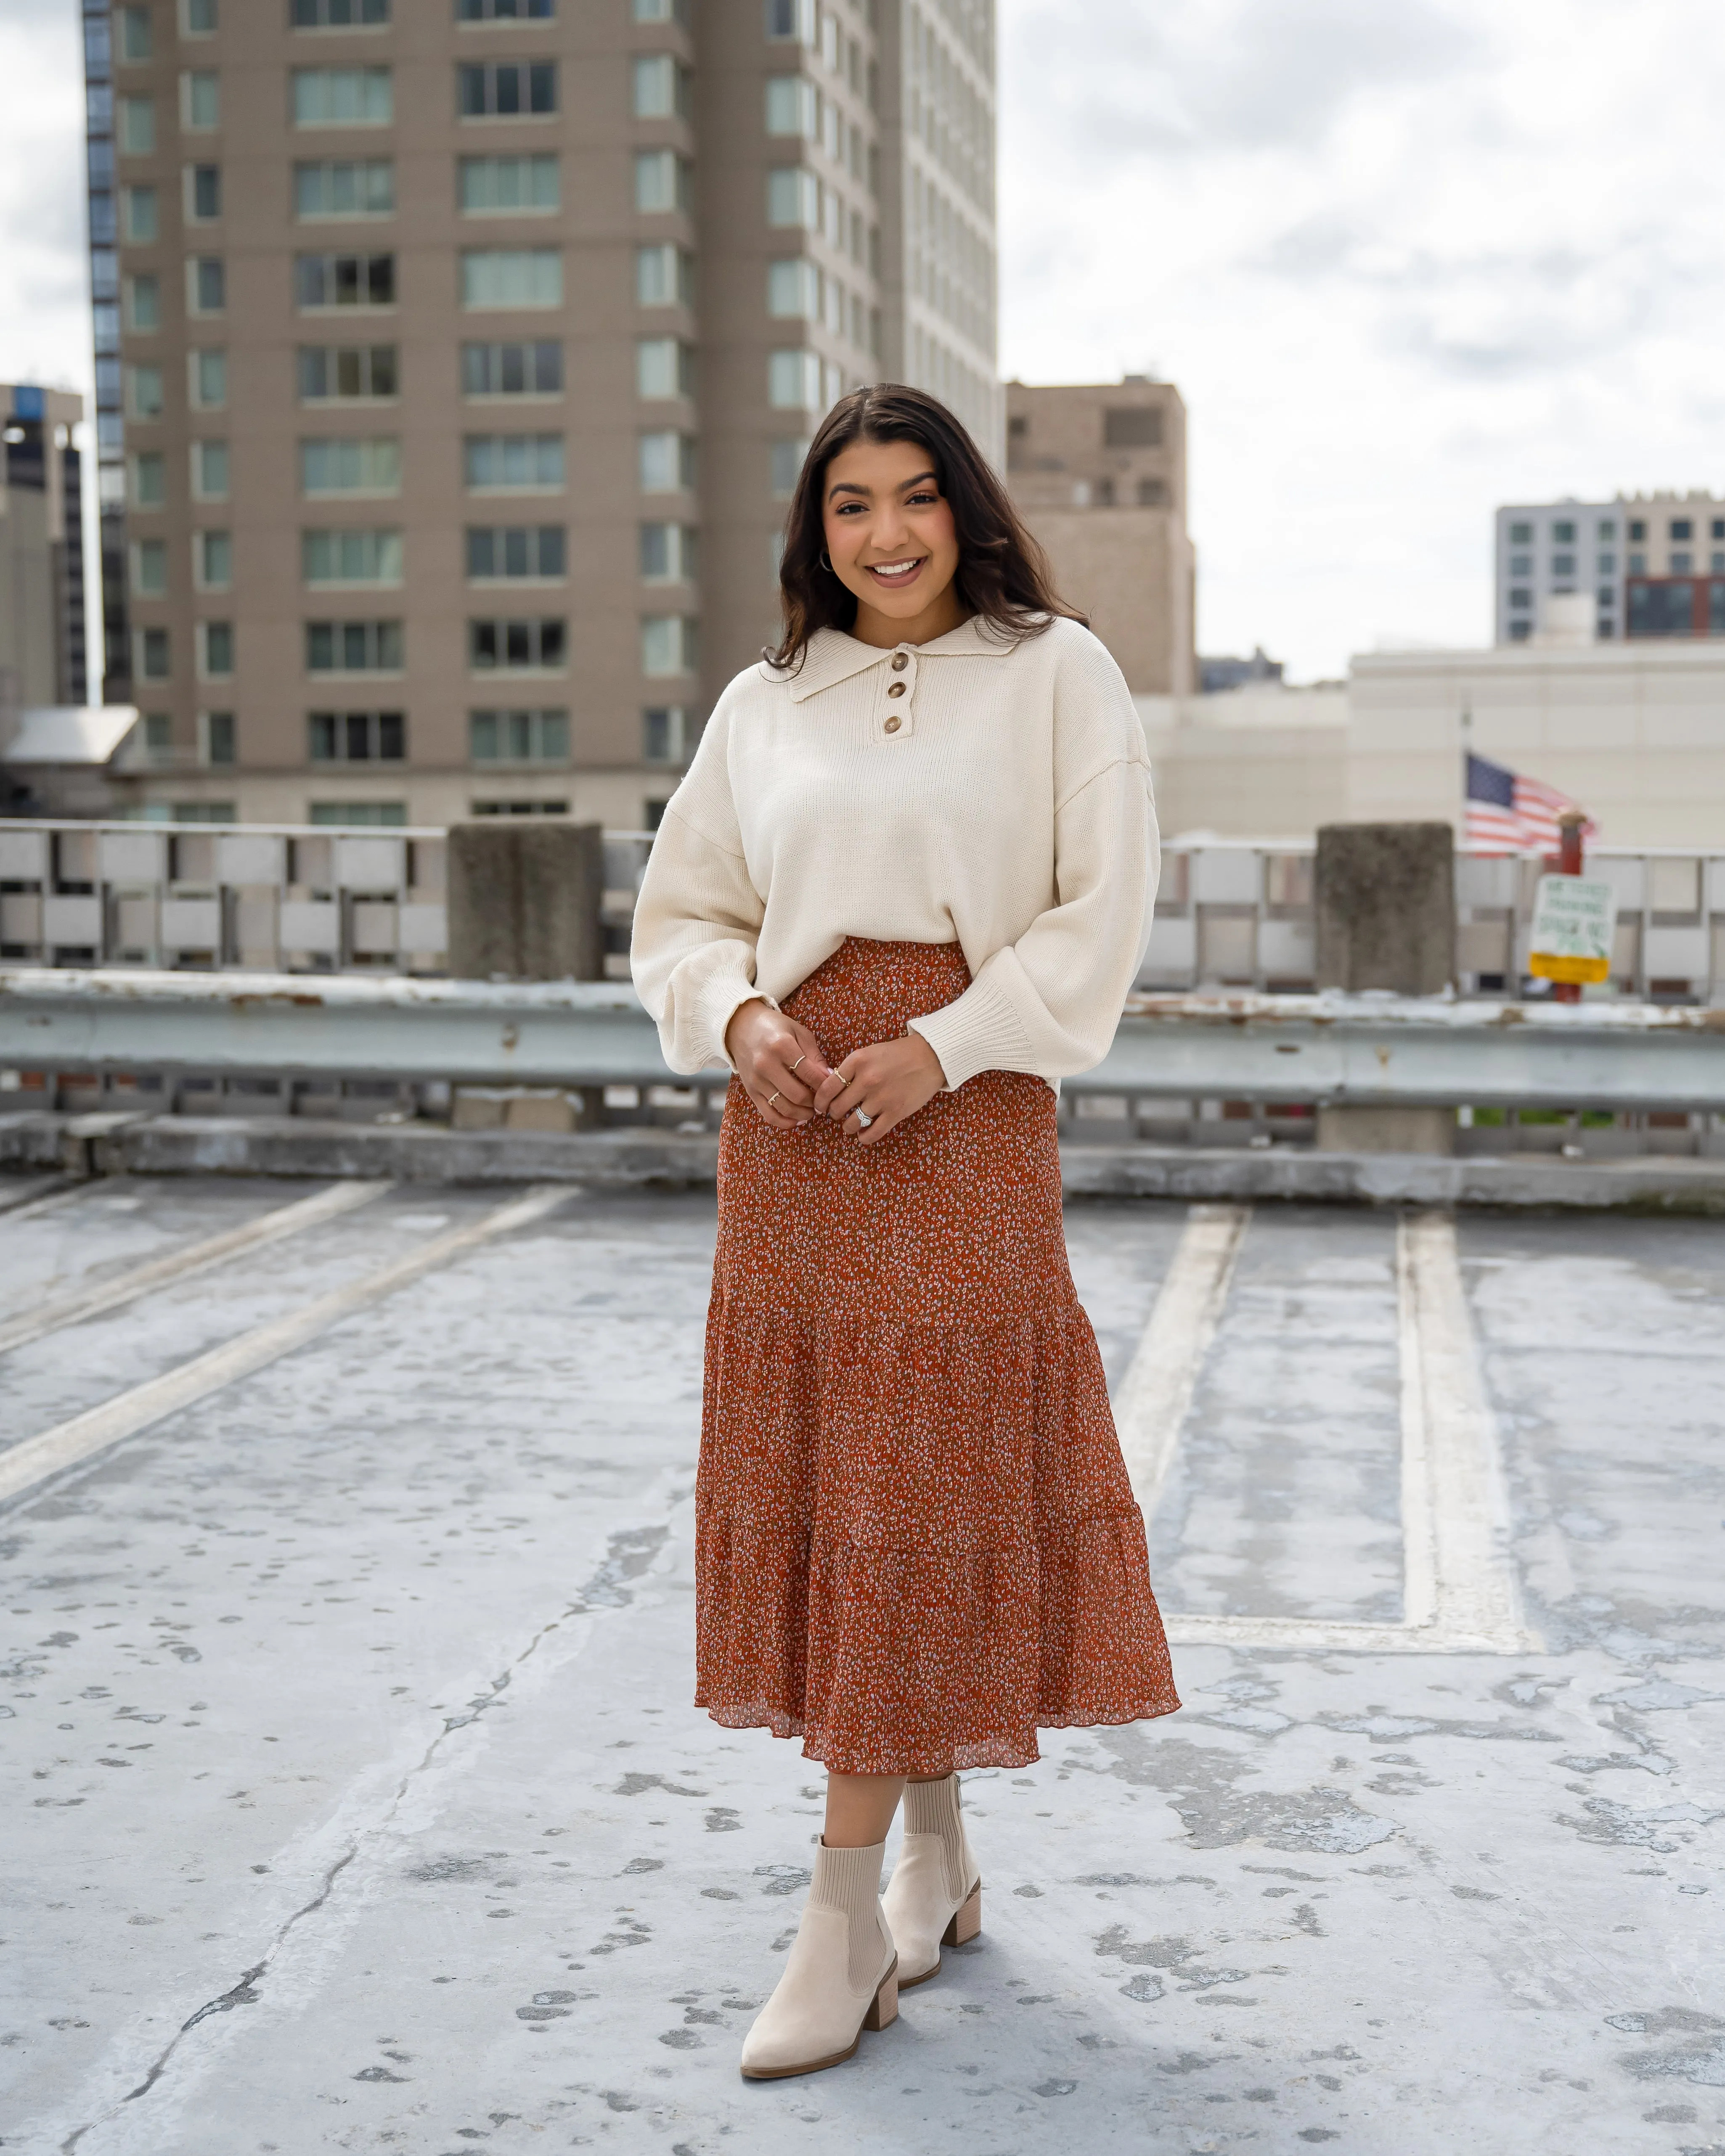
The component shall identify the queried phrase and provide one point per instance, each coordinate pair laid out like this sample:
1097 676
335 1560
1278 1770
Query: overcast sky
1405 259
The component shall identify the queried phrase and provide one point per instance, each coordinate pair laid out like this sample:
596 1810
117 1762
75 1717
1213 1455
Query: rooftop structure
1653 564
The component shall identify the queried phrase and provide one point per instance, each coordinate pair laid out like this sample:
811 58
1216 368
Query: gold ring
844 1081
773 1098
799 1060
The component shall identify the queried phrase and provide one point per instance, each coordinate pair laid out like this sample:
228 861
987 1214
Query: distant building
1099 471
42 652
455 360
1654 564
1216 676
62 761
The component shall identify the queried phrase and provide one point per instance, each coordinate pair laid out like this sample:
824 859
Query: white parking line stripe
1420 1548
1473 1585
1158 1385
57 1192
182 1265
69 1443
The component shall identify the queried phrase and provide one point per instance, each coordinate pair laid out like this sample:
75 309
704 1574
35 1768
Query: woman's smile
898 573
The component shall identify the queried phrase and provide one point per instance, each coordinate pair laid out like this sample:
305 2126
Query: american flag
1509 813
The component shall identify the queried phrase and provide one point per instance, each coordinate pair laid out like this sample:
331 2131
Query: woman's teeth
895 568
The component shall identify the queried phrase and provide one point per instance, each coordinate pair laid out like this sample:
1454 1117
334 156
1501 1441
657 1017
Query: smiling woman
903 890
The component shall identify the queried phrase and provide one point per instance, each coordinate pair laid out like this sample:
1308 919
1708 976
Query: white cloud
1405 259
44 281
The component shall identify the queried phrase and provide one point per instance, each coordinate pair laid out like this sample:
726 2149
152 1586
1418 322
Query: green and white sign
1574 922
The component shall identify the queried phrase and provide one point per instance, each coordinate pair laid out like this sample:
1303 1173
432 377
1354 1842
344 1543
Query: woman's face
889 531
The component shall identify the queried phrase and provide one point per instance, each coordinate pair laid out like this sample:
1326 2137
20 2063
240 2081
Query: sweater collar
833 657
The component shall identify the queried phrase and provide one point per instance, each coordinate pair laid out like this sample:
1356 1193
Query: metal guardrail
1320 1050
1230 913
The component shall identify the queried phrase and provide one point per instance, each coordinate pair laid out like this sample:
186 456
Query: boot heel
967 1921
883 2007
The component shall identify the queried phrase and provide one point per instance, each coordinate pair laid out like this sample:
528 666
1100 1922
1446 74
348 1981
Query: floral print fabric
916 1540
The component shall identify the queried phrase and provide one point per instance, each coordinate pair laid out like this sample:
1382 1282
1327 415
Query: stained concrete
383 1823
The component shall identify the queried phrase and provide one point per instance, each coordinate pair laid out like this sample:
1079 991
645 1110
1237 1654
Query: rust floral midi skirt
916 1541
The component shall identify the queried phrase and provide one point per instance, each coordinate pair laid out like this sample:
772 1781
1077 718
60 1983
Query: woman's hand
886 1083
779 1061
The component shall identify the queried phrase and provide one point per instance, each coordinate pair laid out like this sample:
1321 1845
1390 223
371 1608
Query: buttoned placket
895 704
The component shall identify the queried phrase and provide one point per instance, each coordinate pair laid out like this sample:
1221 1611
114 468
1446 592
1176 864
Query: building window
149 568
331 373
215 650
1638 528
353 465
353 647
661 734
498 186
511 277
664 276
667 553
197 18
515 551
785 462
340 14
360 815
1683 528
355 737
1716 563
143 303
350 557
1563 532
1563 565
1638 562
1521 597
662 182
1521 534
794 290
154 660
1681 563
1717 528
207 378
137 126
1520 631
342 97
215 731
794 198
791 19
668 645
1521 565
512 370
792 107
143 392
505 11
794 381
344 186
133 24
211 561
518 736
667 462
1607 565
344 280
1132 427
660 87
200 100
663 367
1606 529
206 285
504 89
513 463
209 471
203 193
141 224
517 647
662 11
1152 494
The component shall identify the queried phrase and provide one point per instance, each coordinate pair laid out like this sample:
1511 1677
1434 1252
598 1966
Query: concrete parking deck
384 1824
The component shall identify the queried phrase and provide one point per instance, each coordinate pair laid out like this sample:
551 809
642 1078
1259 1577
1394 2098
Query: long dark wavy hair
1003 576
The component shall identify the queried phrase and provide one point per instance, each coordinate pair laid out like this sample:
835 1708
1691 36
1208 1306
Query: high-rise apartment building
42 653
1655 563
456 359
1099 471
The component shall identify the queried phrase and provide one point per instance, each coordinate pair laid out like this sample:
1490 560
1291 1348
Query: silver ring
864 1121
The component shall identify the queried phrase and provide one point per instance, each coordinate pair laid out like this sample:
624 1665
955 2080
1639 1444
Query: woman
904 889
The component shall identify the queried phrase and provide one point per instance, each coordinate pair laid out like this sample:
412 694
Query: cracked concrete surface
356 1802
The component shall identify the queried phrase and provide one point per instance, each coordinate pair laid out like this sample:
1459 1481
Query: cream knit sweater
968 790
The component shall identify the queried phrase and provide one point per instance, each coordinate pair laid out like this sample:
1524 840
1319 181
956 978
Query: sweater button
893 723
900 661
897 689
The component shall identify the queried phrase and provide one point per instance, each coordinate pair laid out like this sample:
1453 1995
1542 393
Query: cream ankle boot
840 1977
935 1897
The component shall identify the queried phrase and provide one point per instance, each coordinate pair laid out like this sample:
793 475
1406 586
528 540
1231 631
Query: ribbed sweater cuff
721 999
981 1031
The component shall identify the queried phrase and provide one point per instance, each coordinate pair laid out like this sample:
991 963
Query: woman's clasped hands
788 1078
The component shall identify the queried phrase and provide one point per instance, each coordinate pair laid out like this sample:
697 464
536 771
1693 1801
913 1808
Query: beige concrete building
1098 470
456 357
